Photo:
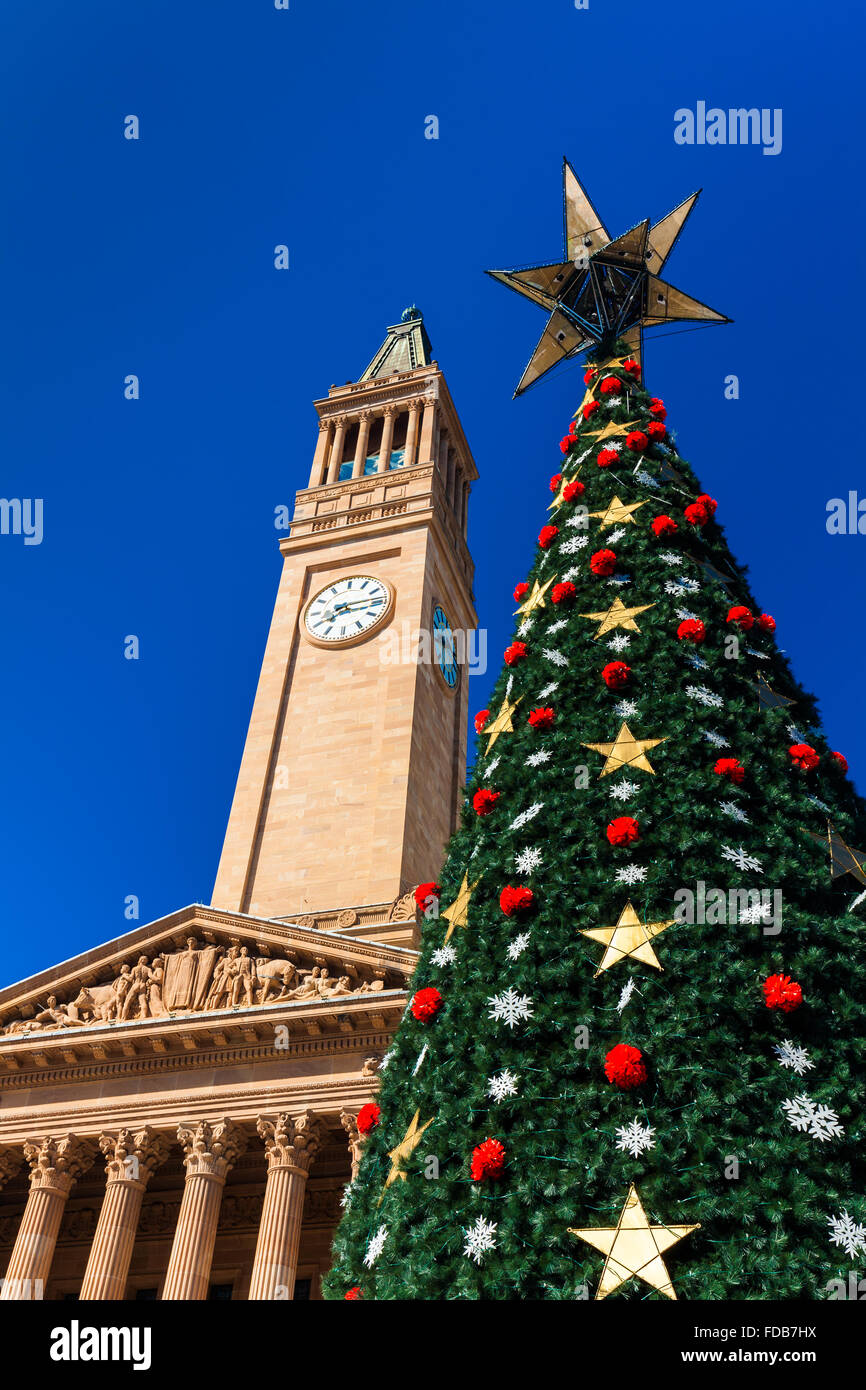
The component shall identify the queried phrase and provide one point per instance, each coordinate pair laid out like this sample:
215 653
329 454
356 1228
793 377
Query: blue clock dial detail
444 647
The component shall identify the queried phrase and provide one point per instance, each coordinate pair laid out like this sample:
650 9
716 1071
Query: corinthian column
130 1158
54 1166
291 1146
211 1152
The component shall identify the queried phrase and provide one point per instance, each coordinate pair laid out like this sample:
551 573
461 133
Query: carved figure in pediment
141 976
244 978
154 990
341 986
58 1015
309 987
221 984
281 975
188 975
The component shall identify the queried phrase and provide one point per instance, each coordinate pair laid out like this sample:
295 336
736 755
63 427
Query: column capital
391 408
132 1155
211 1150
56 1163
291 1141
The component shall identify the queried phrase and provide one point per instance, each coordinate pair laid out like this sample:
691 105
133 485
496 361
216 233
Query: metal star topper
603 288
634 1248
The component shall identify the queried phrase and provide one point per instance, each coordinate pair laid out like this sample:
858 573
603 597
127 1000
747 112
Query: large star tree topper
603 288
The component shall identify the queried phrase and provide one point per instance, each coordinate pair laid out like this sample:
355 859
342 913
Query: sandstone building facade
178 1106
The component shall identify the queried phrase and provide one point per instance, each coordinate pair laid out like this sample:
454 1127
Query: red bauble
840 760
542 718
657 408
555 481
547 535
615 675
568 442
426 1004
353 1294
610 386
520 591
624 1066
607 457
781 992
484 800
707 502
622 831
631 365
730 768
368 1117
590 408
664 525
636 441
563 593
691 630
741 616
488 1160
696 514
767 623
572 490
656 430
424 892
803 756
603 562
514 900
516 652
481 719
588 375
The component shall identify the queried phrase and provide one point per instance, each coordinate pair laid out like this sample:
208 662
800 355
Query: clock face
348 610
444 648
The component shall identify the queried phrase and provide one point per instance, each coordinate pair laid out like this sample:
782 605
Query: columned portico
130 1160
55 1164
291 1145
210 1152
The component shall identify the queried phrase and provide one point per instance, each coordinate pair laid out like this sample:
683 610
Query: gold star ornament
611 429
457 915
501 723
634 1248
628 937
625 751
407 1146
617 511
617 616
560 496
843 859
536 598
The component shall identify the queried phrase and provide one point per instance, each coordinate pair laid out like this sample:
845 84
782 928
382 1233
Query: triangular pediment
202 964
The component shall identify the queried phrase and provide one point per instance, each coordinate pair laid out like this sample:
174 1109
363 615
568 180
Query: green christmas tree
632 1060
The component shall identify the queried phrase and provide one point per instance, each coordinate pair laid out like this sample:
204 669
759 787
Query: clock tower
355 757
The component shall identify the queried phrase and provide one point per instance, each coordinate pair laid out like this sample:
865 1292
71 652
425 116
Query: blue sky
306 127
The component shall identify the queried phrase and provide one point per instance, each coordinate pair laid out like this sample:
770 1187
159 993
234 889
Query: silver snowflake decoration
742 860
809 1117
445 955
615 535
585 455
579 523
620 579
635 1138
646 478
573 545
762 656
670 557
525 627
621 791
421 1055
525 816
553 655
848 1233
510 1008
505 1084
625 996
704 696
717 740
348 1194
374 1248
757 913
387 1059
548 690
518 945
682 585
619 642
625 708
527 860
491 767
731 809
480 1238
631 874
557 626
816 801
697 662
573 573
508 684
793 1056
536 759
687 615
